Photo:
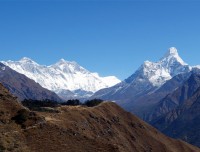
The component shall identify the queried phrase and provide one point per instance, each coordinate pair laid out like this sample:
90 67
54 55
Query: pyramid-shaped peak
172 52
171 57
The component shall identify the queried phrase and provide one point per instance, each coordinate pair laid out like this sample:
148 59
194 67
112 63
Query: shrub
22 116
37 104
92 103
74 102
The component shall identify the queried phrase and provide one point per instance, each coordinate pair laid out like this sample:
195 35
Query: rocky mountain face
177 114
146 104
104 128
23 87
178 97
63 77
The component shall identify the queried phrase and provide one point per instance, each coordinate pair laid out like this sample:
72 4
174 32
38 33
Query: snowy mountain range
64 77
70 80
24 88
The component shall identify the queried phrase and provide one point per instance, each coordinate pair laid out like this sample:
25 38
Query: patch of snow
196 66
3 68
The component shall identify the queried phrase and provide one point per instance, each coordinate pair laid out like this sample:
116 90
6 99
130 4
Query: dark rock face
178 97
23 87
177 115
186 125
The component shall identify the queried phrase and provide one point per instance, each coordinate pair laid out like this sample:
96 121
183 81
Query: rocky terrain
106 127
177 115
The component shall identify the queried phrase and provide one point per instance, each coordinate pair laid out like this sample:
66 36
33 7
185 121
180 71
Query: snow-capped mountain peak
26 60
172 51
63 75
147 79
157 73
68 67
172 56
63 61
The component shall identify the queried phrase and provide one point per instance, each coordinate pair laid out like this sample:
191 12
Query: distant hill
104 128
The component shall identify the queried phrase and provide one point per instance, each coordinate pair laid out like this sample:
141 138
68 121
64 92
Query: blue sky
108 37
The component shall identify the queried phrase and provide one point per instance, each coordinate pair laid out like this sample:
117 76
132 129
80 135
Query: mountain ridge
23 87
63 75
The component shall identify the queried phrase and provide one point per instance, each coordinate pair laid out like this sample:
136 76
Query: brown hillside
105 128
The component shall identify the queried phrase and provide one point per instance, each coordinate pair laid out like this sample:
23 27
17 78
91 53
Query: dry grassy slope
11 137
105 128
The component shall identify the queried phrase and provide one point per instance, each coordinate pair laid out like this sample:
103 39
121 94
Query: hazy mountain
23 87
63 75
104 128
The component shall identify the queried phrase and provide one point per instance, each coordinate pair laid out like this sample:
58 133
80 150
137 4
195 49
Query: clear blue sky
108 37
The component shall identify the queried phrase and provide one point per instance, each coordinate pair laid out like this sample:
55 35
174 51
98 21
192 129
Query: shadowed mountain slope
23 87
178 115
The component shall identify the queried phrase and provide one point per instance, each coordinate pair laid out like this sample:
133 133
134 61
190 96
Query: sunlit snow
62 75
